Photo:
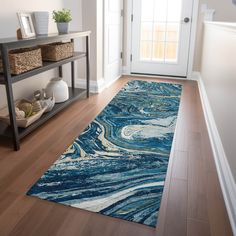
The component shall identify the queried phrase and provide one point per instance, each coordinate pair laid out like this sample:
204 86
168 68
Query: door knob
186 19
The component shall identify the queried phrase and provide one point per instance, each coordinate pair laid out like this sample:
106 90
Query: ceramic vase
41 20
59 89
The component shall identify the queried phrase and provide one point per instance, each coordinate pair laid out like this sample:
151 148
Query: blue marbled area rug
118 165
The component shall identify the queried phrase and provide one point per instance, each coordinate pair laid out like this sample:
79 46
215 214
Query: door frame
105 59
128 37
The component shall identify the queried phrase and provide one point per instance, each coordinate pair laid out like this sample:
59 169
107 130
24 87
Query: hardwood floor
192 202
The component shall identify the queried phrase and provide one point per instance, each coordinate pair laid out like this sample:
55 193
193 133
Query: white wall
217 88
9 25
218 72
89 8
93 20
224 11
8 9
100 39
75 25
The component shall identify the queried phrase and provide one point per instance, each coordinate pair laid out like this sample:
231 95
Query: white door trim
105 58
193 38
128 39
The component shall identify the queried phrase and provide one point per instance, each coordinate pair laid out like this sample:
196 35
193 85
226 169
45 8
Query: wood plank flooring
192 203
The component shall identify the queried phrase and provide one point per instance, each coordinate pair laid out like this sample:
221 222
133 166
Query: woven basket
23 60
57 51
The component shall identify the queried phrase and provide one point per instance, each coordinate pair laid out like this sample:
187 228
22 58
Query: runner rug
117 166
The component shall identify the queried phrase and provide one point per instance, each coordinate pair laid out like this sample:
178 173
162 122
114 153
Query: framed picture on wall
26 25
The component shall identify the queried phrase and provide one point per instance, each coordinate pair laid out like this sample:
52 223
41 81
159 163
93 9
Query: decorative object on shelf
58 89
19 34
49 103
19 114
27 107
41 20
57 51
22 60
26 113
41 98
62 18
26 25
37 95
37 106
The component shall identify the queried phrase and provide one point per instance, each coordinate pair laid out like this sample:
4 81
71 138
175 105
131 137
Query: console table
7 80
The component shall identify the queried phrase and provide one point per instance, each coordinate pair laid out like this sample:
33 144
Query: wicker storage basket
57 51
22 60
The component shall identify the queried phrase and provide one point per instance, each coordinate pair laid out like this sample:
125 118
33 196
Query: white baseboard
125 70
157 77
95 86
109 83
225 175
195 75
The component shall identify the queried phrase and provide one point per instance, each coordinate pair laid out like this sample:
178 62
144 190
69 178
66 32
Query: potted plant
62 18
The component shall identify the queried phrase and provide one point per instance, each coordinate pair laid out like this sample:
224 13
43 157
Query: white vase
63 27
59 89
41 19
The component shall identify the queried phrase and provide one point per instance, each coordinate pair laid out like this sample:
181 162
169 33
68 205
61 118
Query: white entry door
161 37
113 40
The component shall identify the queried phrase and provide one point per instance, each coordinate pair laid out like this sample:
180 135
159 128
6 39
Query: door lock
186 19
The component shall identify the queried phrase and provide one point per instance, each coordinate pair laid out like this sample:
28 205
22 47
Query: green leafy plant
62 16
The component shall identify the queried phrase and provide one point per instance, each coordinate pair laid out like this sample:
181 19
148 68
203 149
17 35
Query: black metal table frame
9 44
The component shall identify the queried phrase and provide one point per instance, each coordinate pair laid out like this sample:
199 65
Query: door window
160 30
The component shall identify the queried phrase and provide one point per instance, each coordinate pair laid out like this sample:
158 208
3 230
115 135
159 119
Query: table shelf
74 94
46 66
7 80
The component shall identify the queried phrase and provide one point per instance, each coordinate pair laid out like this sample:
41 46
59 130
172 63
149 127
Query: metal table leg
88 64
10 98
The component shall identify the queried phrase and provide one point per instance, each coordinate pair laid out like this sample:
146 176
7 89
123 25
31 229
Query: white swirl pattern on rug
118 165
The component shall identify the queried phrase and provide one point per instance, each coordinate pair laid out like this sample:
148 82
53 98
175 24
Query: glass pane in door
160 30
